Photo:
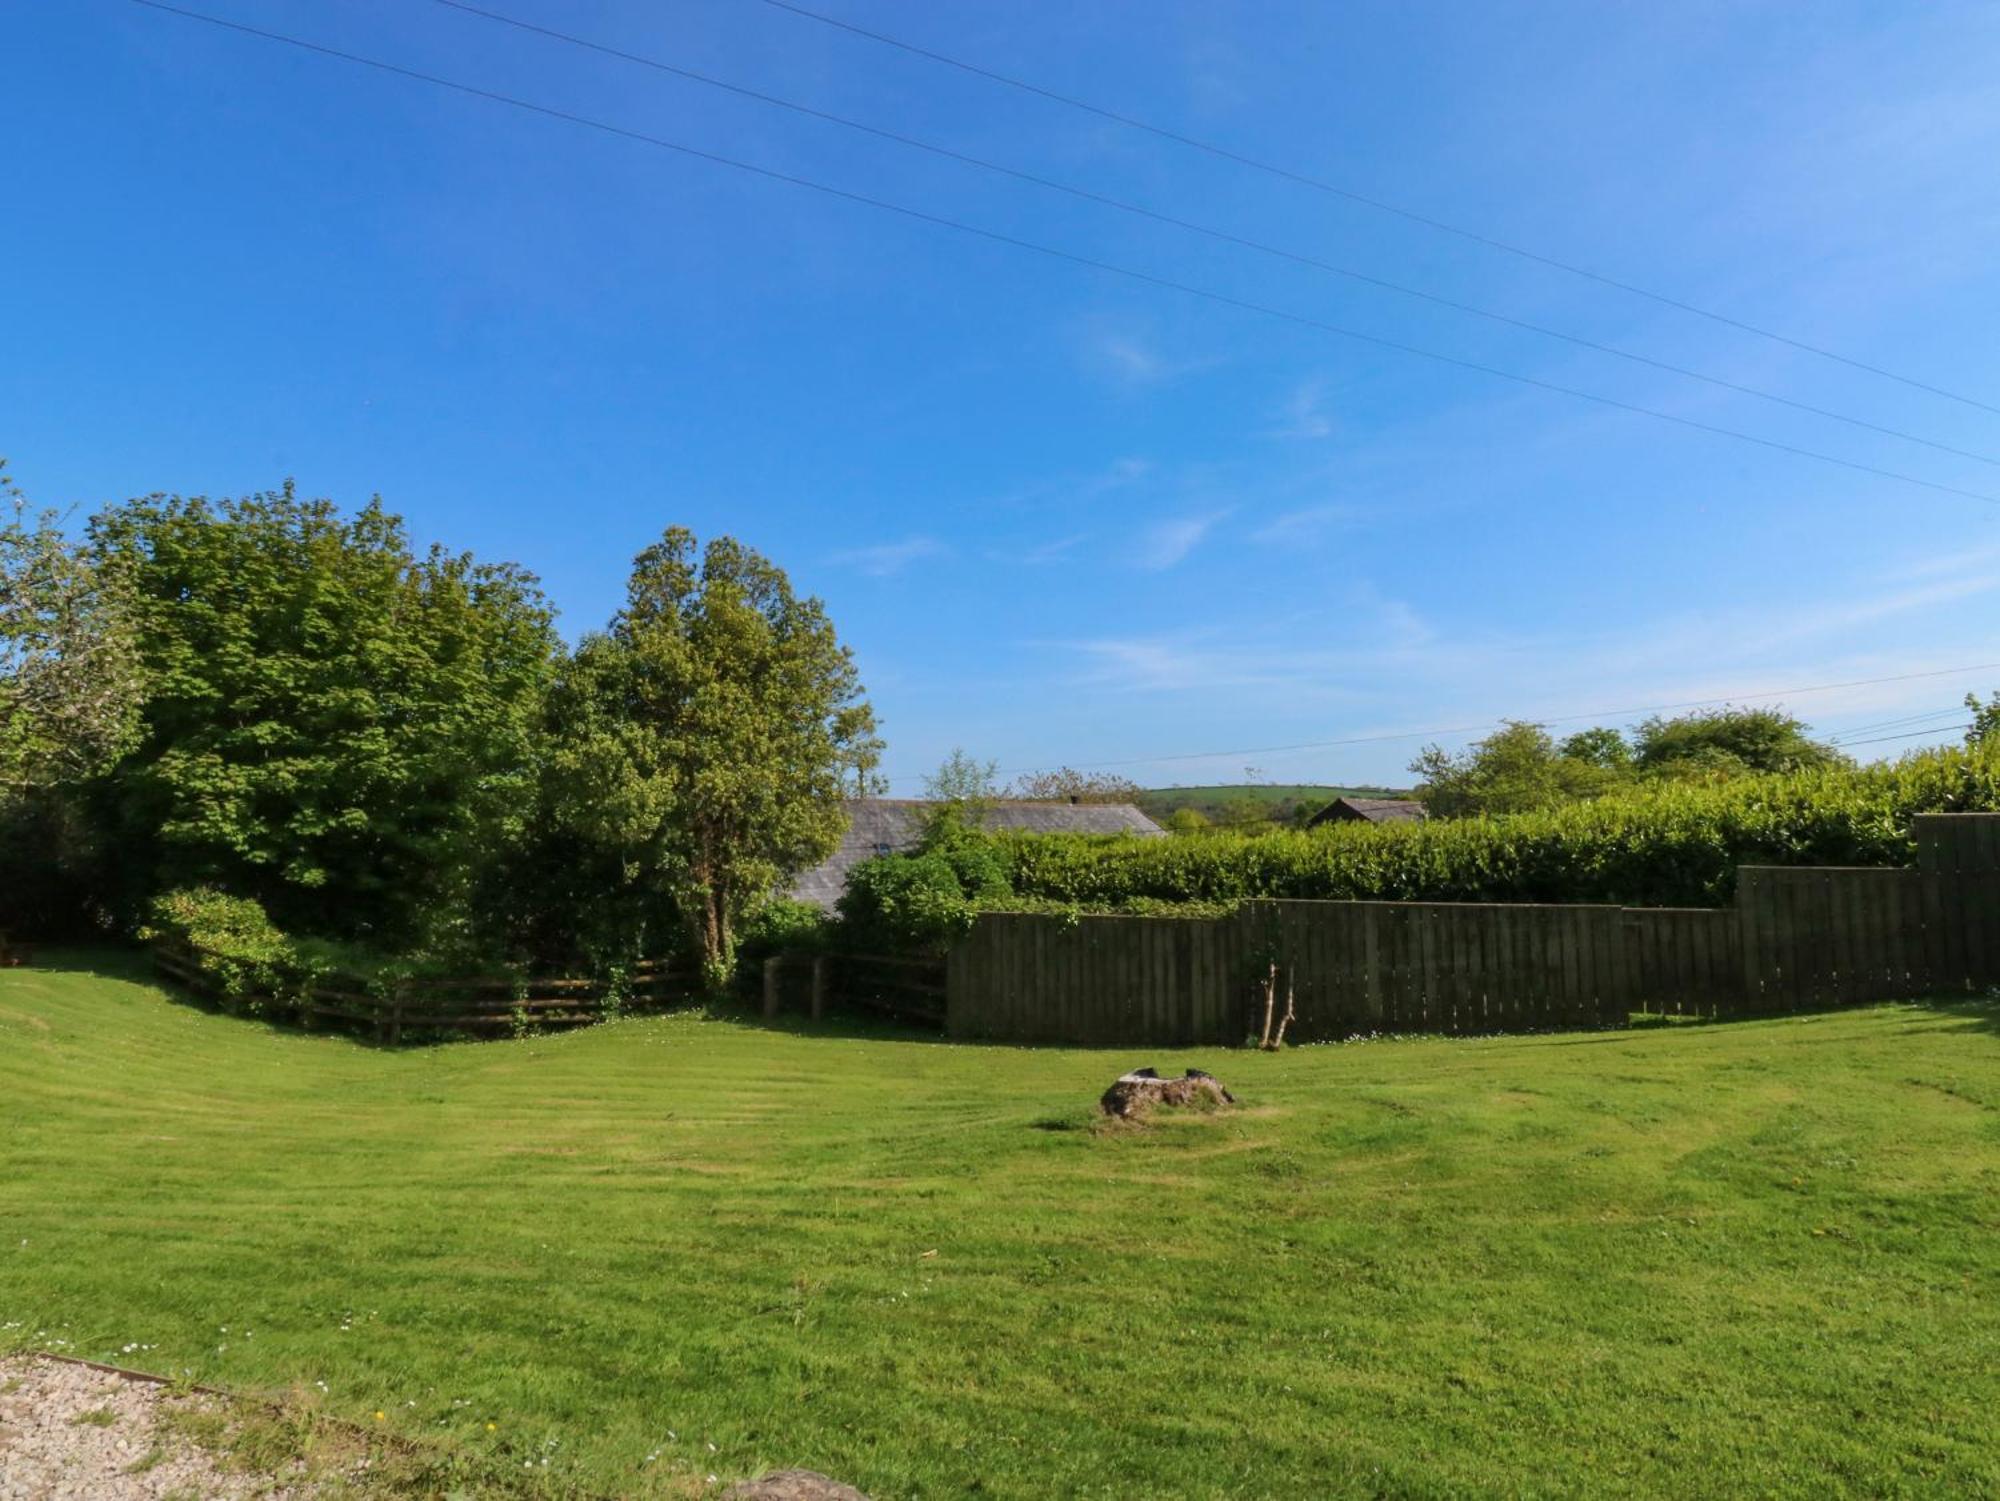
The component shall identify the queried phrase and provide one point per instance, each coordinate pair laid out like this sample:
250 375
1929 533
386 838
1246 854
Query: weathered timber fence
1795 939
481 1004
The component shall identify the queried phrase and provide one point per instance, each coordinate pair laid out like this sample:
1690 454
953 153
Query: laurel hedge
1665 845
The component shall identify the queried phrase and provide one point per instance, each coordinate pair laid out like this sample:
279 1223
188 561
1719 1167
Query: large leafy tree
1518 768
1713 744
704 740
69 669
69 695
333 724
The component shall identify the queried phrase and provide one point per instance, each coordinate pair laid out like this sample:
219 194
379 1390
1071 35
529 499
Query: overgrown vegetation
271 703
1522 768
1659 843
1692 1261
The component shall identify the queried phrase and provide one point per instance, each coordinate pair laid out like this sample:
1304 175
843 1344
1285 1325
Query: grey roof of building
1373 809
886 825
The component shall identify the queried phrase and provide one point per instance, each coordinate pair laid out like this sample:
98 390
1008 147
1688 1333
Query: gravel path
67 1431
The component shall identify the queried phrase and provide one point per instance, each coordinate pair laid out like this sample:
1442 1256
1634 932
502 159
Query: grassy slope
1755 1258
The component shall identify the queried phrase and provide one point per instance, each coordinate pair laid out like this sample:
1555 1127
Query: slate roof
1368 810
885 825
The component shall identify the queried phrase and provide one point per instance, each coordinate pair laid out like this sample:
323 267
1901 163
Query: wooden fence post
819 987
771 986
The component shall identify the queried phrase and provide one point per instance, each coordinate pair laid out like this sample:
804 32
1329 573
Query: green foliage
782 926
1520 768
236 945
69 698
1516 769
1067 785
962 778
1601 747
69 669
333 725
1269 804
1985 727
908 903
1187 821
1664 844
1714 743
702 744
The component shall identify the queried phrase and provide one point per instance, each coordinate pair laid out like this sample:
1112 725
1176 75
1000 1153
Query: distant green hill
1251 802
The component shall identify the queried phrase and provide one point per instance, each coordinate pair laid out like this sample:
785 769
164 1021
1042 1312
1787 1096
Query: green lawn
1751 1259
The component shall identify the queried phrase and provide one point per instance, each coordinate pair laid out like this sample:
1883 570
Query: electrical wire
1242 159
1223 236
997 237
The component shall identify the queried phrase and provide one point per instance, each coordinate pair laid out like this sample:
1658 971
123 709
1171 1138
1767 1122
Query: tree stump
1134 1094
792 1485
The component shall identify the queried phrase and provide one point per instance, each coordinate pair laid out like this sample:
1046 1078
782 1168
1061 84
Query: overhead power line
998 237
1222 236
1945 729
1242 159
1491 724
1928 717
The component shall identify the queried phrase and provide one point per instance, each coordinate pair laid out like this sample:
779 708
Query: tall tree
706 738
1067 785
963 778
1711 744
333 725
70 684
69 668
1516 769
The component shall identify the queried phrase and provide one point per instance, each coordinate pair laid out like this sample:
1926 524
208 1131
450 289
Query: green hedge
1673 845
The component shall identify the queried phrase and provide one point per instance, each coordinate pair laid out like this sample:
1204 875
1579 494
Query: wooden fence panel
1833 936
1796 938
1093 981
1683 961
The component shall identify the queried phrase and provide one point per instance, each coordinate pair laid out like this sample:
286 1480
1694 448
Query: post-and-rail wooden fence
1795 939
481 1004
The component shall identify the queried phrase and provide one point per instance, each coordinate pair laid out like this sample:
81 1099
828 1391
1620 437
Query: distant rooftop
1369 810
889 825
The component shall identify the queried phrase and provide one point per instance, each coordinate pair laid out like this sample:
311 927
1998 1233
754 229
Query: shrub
234 945
904 903
1665 844
922 900
782 926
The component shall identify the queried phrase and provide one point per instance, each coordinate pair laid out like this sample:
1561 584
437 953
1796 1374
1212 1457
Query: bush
920 901
1660 845
904 903
235 946
782 926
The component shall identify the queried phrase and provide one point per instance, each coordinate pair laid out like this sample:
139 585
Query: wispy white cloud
1061 547
1130 360
1166 543
1305 414
1077 487
886 558
1375 651
1133 357
1307 524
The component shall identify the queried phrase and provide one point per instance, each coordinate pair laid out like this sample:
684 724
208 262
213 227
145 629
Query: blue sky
1064 517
